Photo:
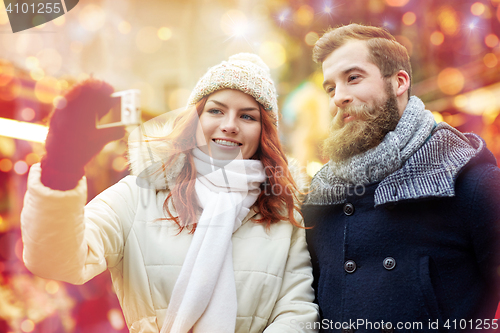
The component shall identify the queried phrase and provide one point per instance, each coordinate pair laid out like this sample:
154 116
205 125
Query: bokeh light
59 21
37 74
147 40
124 27
31 62
27 326
438 117
46 89
115 318
313 167
92 17
20 167
52 287
273 54
119 163
396 3
304 15
32 158
28 114
448 20
450 81
437 38
311 38
477 8
5 165
409 18
460 101
491 40
50 60
490 60
59 102
164 33
11 90
234 23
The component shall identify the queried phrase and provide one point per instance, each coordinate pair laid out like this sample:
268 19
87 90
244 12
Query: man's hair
385 52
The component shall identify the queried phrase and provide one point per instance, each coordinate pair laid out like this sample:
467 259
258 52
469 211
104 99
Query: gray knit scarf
372 166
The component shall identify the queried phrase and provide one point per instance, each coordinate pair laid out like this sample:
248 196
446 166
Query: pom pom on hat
251 57
245 72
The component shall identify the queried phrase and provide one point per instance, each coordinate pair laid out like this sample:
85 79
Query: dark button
350 266
348 209
389 263
348 330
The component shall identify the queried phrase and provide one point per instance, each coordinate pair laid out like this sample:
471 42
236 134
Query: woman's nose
229 125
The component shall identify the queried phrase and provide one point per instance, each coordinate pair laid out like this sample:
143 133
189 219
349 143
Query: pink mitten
73 139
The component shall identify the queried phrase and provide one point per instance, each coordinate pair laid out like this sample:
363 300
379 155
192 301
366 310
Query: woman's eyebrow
252 108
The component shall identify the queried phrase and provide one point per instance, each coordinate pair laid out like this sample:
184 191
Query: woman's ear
402 82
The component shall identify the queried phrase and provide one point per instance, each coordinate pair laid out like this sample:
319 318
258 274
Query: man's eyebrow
225 106
345 72
355 68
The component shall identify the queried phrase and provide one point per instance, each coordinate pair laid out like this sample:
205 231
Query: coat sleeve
484 220
295 311
64 239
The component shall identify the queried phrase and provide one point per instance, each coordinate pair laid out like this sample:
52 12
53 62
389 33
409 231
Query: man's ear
402 82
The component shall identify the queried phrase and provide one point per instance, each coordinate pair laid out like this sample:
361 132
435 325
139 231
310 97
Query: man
405 214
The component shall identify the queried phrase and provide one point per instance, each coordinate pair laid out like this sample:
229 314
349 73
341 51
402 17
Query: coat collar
430 172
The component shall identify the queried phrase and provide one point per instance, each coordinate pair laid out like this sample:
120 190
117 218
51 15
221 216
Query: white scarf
204 296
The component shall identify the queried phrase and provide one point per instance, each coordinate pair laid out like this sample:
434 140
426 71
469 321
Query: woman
200 240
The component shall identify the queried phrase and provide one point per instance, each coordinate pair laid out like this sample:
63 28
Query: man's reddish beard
366 131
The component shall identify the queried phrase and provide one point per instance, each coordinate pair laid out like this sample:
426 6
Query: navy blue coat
418 250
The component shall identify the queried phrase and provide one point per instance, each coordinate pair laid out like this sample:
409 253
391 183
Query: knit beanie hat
245 72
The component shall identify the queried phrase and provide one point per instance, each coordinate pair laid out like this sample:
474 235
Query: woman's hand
73 139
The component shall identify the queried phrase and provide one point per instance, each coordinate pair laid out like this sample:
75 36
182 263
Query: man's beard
366 131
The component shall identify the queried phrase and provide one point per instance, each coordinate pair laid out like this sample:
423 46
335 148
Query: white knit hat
245 72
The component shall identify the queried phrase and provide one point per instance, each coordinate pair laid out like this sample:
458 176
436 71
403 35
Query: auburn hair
278 196
384 51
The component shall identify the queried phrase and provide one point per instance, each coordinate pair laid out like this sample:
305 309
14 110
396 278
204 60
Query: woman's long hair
279 194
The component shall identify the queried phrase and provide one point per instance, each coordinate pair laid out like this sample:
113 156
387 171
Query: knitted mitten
73 139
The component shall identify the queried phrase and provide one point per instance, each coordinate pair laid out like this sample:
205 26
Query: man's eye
330 89
353 77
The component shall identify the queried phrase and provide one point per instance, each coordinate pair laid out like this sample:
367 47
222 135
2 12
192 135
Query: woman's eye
247 117
214 111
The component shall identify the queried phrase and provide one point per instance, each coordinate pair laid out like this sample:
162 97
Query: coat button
389 263
348 209
350 266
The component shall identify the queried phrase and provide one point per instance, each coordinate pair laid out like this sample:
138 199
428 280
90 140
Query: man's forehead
352 55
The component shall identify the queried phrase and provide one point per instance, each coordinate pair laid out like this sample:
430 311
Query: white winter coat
118 230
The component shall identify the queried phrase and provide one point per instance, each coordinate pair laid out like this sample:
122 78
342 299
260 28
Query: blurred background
162 48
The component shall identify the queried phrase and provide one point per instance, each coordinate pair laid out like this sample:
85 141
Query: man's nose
342 97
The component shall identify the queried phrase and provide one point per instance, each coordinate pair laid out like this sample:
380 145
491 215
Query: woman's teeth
226 143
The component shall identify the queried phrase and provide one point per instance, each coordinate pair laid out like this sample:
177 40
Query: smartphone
125 113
